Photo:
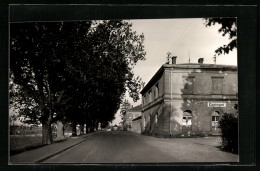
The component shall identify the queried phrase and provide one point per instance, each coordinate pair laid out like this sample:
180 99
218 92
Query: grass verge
21 143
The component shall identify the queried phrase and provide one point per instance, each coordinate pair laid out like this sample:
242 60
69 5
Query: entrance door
186 122
214 123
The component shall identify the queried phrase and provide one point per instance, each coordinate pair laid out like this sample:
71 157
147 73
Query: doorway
215 123
187 122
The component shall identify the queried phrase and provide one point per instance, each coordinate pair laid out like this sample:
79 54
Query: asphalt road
127 147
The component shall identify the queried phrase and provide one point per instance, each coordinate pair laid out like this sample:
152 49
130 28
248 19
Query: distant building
188 99
137 125
131 114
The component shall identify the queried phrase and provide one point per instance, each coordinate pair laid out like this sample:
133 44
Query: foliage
124 107
228 27
77 71
229 128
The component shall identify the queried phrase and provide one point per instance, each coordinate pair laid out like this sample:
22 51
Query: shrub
229 128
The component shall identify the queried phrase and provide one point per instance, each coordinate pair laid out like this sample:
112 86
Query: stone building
131 114
188 99
137 124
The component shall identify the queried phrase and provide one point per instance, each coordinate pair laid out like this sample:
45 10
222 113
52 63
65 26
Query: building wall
129 116
201 115
146 98
202 81
137 126
192 90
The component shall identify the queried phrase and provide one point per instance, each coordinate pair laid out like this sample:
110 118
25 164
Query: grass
22 143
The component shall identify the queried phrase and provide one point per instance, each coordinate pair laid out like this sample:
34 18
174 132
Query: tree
124 107
74 70
37 65
229 128
228 27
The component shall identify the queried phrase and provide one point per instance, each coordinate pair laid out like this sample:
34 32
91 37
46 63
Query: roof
199 66
158 74
139 117
135 109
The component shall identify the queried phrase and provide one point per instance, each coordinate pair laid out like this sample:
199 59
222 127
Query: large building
188 99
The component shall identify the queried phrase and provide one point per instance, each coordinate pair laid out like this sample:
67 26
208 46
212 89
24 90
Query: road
127 147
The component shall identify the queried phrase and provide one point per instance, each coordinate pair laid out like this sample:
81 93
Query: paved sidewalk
42 153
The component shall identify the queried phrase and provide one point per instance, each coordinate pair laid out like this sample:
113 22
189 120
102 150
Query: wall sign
210 104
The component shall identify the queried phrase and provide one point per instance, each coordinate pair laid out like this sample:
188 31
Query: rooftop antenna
168 57
215 59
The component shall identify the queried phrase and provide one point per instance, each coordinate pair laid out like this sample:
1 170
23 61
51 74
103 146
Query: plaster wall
202 81
170 116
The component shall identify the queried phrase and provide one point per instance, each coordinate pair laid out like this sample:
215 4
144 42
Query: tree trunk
91 128
46 130
60 131
87 127
81 129
74 129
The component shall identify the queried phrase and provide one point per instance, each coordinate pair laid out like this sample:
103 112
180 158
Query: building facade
188 99
137 124
131 114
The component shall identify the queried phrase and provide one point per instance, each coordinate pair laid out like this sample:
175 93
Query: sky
183 38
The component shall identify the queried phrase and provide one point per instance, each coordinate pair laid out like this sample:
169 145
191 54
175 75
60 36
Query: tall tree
228 26
37 62
65 67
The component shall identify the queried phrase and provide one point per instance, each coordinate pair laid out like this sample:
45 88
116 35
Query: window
130 116
215 119
188 85
217 85
144 122
156 119
156 91
150 96
144 100
150 118
186 119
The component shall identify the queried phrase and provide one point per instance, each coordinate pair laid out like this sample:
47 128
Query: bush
229 128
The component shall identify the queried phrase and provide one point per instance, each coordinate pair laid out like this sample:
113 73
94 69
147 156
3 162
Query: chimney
174 59
200 61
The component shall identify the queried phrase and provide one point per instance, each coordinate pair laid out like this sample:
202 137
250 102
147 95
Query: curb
47 157
26 156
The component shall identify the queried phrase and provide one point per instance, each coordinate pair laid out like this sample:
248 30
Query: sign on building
210 104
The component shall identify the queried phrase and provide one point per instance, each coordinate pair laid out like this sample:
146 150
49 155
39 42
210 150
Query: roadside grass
23 143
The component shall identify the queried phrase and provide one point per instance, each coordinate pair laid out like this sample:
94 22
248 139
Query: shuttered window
217 85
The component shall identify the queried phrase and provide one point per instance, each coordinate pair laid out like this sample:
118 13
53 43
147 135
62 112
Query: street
128 147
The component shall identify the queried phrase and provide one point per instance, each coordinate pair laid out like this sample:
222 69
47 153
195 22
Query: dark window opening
186 119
